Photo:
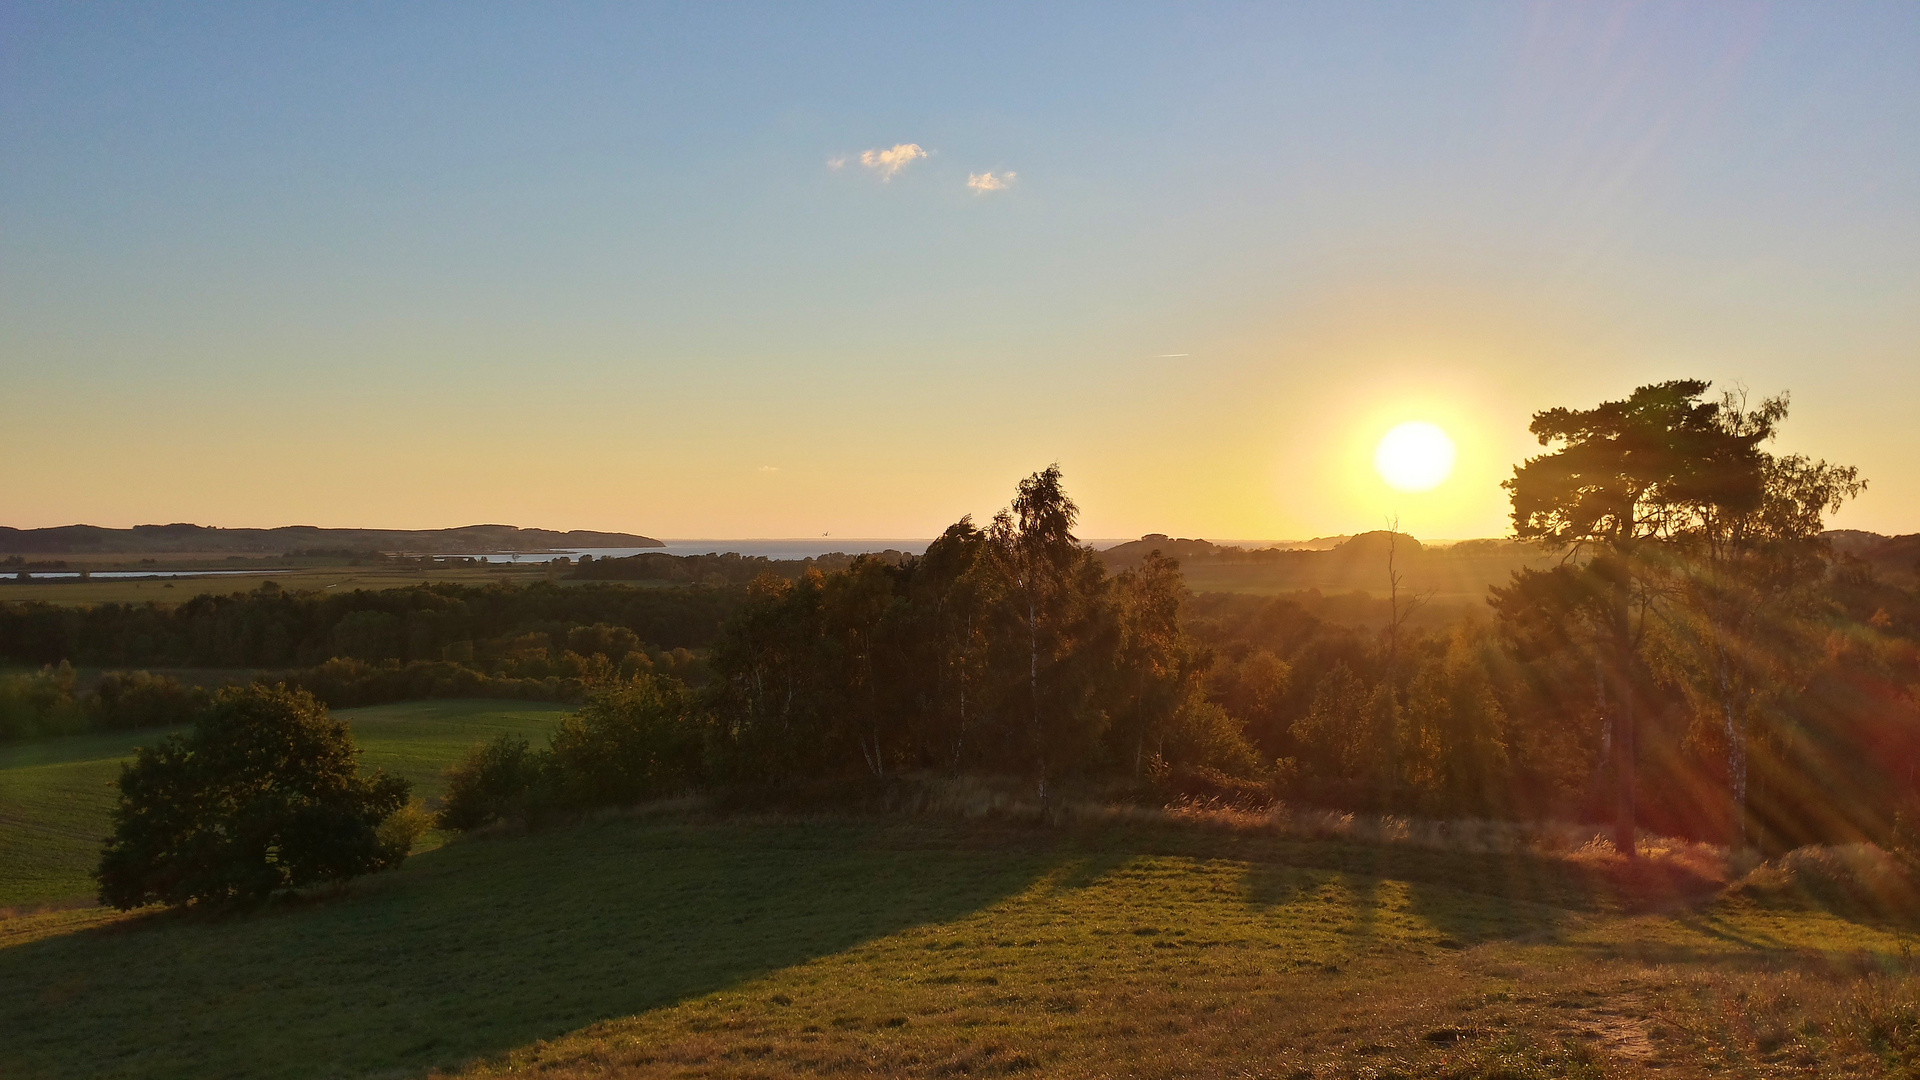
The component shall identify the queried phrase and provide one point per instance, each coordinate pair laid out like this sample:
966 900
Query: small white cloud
988 181
769 468
837 162
889 162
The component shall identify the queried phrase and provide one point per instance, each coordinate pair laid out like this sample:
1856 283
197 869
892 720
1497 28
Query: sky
728 270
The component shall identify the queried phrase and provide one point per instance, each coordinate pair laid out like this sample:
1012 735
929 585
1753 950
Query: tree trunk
1624 830
1033 691
1736 748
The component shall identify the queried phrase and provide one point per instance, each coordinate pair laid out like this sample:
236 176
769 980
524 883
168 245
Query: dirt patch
1616 1027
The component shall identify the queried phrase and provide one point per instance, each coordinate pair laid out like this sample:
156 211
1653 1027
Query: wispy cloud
988 181
887 163
837 162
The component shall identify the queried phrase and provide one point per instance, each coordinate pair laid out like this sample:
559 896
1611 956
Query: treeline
49 702
499 629
719 568
607 656
1701 664
1010 649
52 702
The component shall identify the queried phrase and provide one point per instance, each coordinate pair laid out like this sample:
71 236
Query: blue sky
592 265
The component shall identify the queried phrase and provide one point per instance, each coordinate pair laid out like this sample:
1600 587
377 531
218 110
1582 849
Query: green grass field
680 948
688 946
56 794
322 578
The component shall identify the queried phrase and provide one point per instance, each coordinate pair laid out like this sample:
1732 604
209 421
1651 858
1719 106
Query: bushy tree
494 781
1255 687
40 703
264 794
139 699
1456 753
1342 740
640 741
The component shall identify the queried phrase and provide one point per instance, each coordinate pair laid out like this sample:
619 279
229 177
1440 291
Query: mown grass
57 795
774 948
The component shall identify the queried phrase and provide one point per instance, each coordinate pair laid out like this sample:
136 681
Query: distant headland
293 539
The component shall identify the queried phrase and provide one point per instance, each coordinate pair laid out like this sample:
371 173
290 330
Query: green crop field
681 948
56 794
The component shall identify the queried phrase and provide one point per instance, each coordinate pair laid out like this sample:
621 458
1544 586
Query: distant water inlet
806 548
49 575
768 549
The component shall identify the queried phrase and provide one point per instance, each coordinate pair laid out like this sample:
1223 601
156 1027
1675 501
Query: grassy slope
849 948
56 794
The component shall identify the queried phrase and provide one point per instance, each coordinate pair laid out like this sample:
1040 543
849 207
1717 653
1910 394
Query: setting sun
1416 456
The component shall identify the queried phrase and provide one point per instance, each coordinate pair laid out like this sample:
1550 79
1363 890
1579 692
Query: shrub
405 827
126 700
1204 736
40 703
636 742
492 783
264 794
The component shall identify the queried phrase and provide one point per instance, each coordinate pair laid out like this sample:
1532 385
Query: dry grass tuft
975 798
1862 879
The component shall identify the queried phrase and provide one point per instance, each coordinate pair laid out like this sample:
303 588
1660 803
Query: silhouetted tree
1625 475
1052 596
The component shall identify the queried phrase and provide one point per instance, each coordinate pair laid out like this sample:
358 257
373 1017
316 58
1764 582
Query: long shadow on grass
1523 877
475 949
1465 897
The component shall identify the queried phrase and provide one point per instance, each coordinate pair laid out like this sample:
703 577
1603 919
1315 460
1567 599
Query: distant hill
1459 571
1359 548
200 539
1893 556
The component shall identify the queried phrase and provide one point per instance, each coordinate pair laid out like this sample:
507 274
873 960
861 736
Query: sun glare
1416 456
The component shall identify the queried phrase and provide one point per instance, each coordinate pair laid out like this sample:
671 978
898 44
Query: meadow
56 795
683 946
319 576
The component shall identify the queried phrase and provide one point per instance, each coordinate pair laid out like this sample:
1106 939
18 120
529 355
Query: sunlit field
680 948
57 795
